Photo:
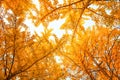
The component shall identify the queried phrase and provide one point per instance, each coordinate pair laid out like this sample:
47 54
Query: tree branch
59 8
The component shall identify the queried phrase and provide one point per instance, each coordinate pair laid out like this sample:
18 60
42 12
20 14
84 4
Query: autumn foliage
91 53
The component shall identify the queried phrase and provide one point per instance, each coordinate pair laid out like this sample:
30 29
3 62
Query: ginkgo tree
93 52
22 55
87 54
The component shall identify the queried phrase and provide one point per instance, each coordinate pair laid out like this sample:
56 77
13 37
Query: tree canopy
91 53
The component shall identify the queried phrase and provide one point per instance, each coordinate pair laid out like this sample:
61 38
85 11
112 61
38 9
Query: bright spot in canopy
93 6
36 2
88 23
60 1
32 27
58 59
68 78
108 11
55 25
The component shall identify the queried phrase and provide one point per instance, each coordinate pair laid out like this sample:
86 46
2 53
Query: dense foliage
91 53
